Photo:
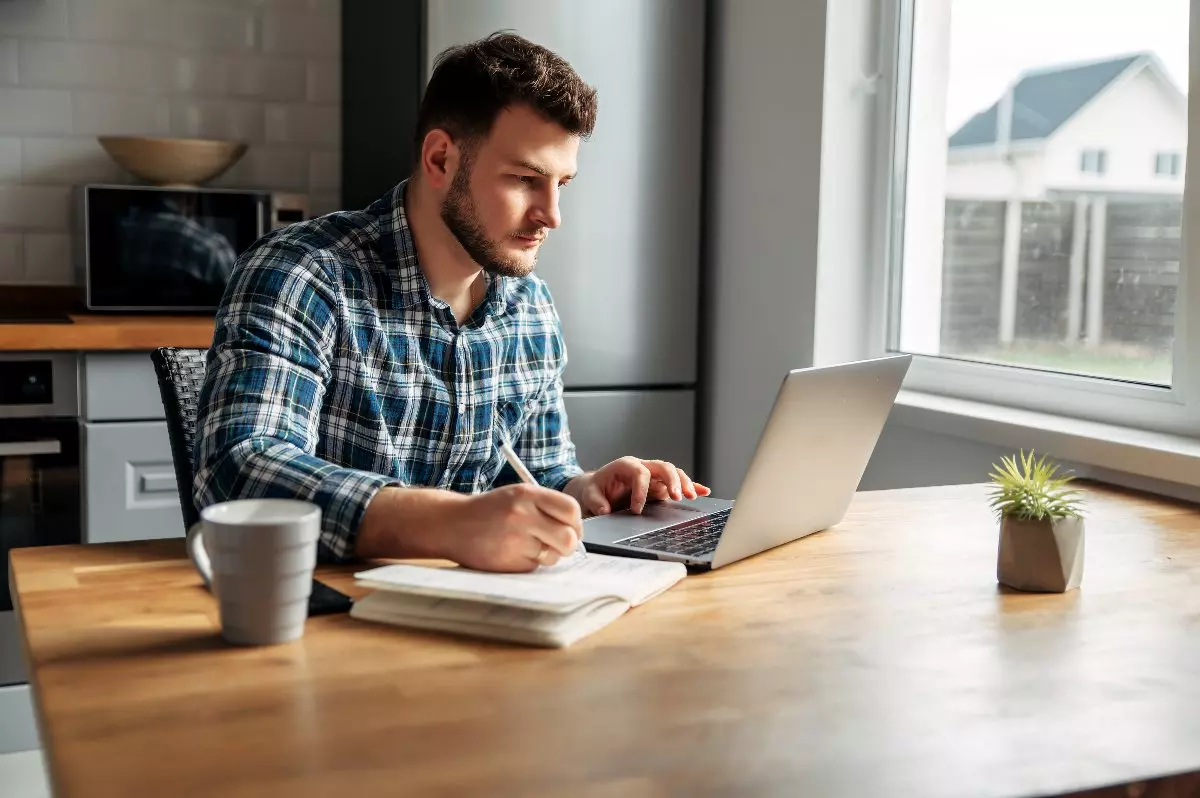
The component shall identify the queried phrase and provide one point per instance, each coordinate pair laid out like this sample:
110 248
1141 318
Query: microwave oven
165 249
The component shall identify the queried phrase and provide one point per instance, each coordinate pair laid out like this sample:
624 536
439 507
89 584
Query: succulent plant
1032 489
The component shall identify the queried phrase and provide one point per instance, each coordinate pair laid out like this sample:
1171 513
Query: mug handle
197 552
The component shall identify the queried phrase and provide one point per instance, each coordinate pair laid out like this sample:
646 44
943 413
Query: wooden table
876 658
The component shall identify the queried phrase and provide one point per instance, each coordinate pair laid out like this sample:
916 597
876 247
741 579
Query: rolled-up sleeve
260 405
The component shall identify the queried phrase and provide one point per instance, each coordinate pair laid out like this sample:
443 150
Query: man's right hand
502 530
507 528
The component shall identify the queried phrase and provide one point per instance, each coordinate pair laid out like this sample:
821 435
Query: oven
40 491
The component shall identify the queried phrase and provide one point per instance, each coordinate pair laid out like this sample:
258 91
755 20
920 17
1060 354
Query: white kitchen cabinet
129 483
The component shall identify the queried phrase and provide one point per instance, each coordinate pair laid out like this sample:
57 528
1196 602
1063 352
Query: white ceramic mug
258 556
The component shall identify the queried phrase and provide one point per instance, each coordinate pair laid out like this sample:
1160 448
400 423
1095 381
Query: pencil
528 479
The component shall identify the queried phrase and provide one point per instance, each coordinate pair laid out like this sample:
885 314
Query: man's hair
472 83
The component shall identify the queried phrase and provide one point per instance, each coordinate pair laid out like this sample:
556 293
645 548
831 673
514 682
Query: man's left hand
632 481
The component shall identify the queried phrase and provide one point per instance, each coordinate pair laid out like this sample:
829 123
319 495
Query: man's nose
547 212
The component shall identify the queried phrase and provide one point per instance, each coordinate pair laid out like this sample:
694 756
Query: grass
1113 361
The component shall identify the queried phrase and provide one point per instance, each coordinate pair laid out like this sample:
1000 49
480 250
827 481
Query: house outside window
1094 162
1033 259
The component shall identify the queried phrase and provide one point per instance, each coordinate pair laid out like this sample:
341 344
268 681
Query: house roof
1043 100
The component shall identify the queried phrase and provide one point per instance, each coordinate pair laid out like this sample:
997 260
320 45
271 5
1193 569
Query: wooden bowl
163 161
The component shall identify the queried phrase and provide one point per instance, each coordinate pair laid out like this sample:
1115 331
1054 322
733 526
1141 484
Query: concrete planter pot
1041 556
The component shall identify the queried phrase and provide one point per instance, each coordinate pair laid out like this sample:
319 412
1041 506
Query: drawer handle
26 448
158 483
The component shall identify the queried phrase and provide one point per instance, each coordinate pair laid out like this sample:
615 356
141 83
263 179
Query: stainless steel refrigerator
624 267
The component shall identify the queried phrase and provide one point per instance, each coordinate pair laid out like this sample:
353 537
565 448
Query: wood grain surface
876 658
103 332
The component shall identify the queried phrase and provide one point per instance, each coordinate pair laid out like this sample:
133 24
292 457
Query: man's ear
440 158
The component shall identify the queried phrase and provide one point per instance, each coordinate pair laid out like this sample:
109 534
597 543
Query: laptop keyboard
690 538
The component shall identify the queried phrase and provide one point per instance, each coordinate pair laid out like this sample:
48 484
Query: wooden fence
1141 272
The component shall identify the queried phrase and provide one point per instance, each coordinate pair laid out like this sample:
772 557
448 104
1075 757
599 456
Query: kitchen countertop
100 332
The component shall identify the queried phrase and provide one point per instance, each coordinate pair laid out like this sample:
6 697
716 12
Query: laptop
806 468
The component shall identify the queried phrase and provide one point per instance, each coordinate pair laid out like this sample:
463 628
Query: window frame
1173 410
1173 160
1101 162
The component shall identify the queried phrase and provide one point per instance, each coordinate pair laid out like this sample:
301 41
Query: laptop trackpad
655 515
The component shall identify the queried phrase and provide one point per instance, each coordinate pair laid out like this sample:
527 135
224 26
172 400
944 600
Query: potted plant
1041 525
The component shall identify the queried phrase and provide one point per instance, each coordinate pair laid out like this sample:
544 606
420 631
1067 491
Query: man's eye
526 179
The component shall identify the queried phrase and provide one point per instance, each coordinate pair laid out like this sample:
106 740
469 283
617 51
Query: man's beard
460 217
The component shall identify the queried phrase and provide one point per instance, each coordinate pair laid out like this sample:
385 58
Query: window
1167 164
1094 162
1015 276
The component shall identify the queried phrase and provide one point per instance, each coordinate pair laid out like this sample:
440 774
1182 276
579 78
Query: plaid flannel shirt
334 372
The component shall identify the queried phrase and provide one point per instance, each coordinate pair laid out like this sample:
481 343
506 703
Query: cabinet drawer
18 727
129 483
119 387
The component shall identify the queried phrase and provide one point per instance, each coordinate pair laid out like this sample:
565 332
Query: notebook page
558 588
630 579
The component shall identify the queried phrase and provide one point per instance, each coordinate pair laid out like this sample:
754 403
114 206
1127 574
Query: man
372 362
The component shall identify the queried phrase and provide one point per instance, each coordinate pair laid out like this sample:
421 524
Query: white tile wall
266 72
302 34
12 268
275 78
217 119
71 64
326 171
124 21
83 65
214 30
48 258
280 168
304 122
321 204
199 75
35 207
324 6
325 82
113 113
35 111
34 18
66 161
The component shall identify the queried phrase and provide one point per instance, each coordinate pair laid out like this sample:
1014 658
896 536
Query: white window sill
1121 450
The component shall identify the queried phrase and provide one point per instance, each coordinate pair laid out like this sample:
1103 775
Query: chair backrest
180 375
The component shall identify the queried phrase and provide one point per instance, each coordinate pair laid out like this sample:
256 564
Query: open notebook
552 606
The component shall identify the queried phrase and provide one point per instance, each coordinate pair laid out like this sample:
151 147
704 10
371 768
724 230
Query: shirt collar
409 286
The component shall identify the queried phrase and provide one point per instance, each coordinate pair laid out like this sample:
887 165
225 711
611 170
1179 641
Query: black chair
180 375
